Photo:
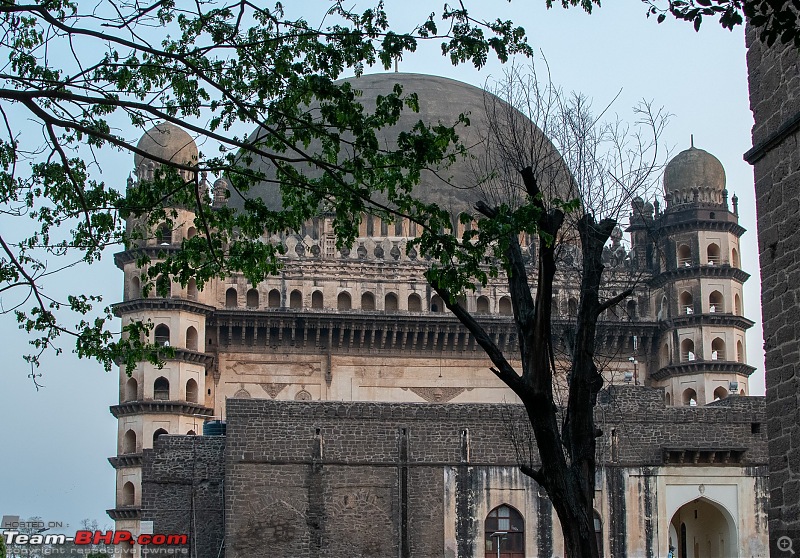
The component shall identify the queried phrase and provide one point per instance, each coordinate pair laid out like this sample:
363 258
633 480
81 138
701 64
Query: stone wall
306 479
182 491
366 479
774 77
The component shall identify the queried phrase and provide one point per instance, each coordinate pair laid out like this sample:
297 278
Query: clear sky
55 442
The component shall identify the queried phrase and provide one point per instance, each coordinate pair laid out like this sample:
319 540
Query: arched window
190 232
191 290
665 355
684 256
689 397
191 338
131 390
316 299
630 309
718 349
191 390
436 304
720 393
129 442
296 299
158 433
414 303
370 225
598 533
715 302
735 257
252 298
737 305
274 298
713 254
384 227
505 306
398 227
231 298
554 307
686 303
667 398
135 289
368 301
161 388
163 286
504 531
687 351
343 301
390 303
572 307
161 335
482 305
128 494
739 351
164 235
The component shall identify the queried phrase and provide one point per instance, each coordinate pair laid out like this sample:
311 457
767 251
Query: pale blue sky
56 440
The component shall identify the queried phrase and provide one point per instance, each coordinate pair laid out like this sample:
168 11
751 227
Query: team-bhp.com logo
95 537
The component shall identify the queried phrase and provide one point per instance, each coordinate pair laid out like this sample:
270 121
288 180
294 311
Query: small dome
694 175
166 142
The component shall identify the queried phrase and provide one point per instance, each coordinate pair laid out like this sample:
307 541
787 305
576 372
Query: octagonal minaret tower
697 285
176 398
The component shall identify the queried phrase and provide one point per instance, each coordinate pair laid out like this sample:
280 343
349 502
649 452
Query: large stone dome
441 100
694 175
167 142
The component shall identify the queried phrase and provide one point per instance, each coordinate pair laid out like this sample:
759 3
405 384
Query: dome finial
691 140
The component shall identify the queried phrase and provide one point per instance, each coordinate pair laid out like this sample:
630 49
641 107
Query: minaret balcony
126 460
722 319
158 406
157 303
705 271
125 512
699 366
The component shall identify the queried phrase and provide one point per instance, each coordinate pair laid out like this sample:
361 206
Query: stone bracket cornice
158 406
132 512
700 272
126 460
400 332
714 319
152 252
702 367
151 304
185 355
703 456
758 151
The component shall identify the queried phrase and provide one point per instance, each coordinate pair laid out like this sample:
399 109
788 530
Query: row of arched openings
165 235
163 289
161 390
161 337
689 396
718 351
716 303
129 439
344 301
504 533
713 256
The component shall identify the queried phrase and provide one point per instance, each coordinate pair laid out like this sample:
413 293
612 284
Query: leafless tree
557 173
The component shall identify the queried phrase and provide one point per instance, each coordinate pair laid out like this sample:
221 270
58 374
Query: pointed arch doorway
703 529
504 533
